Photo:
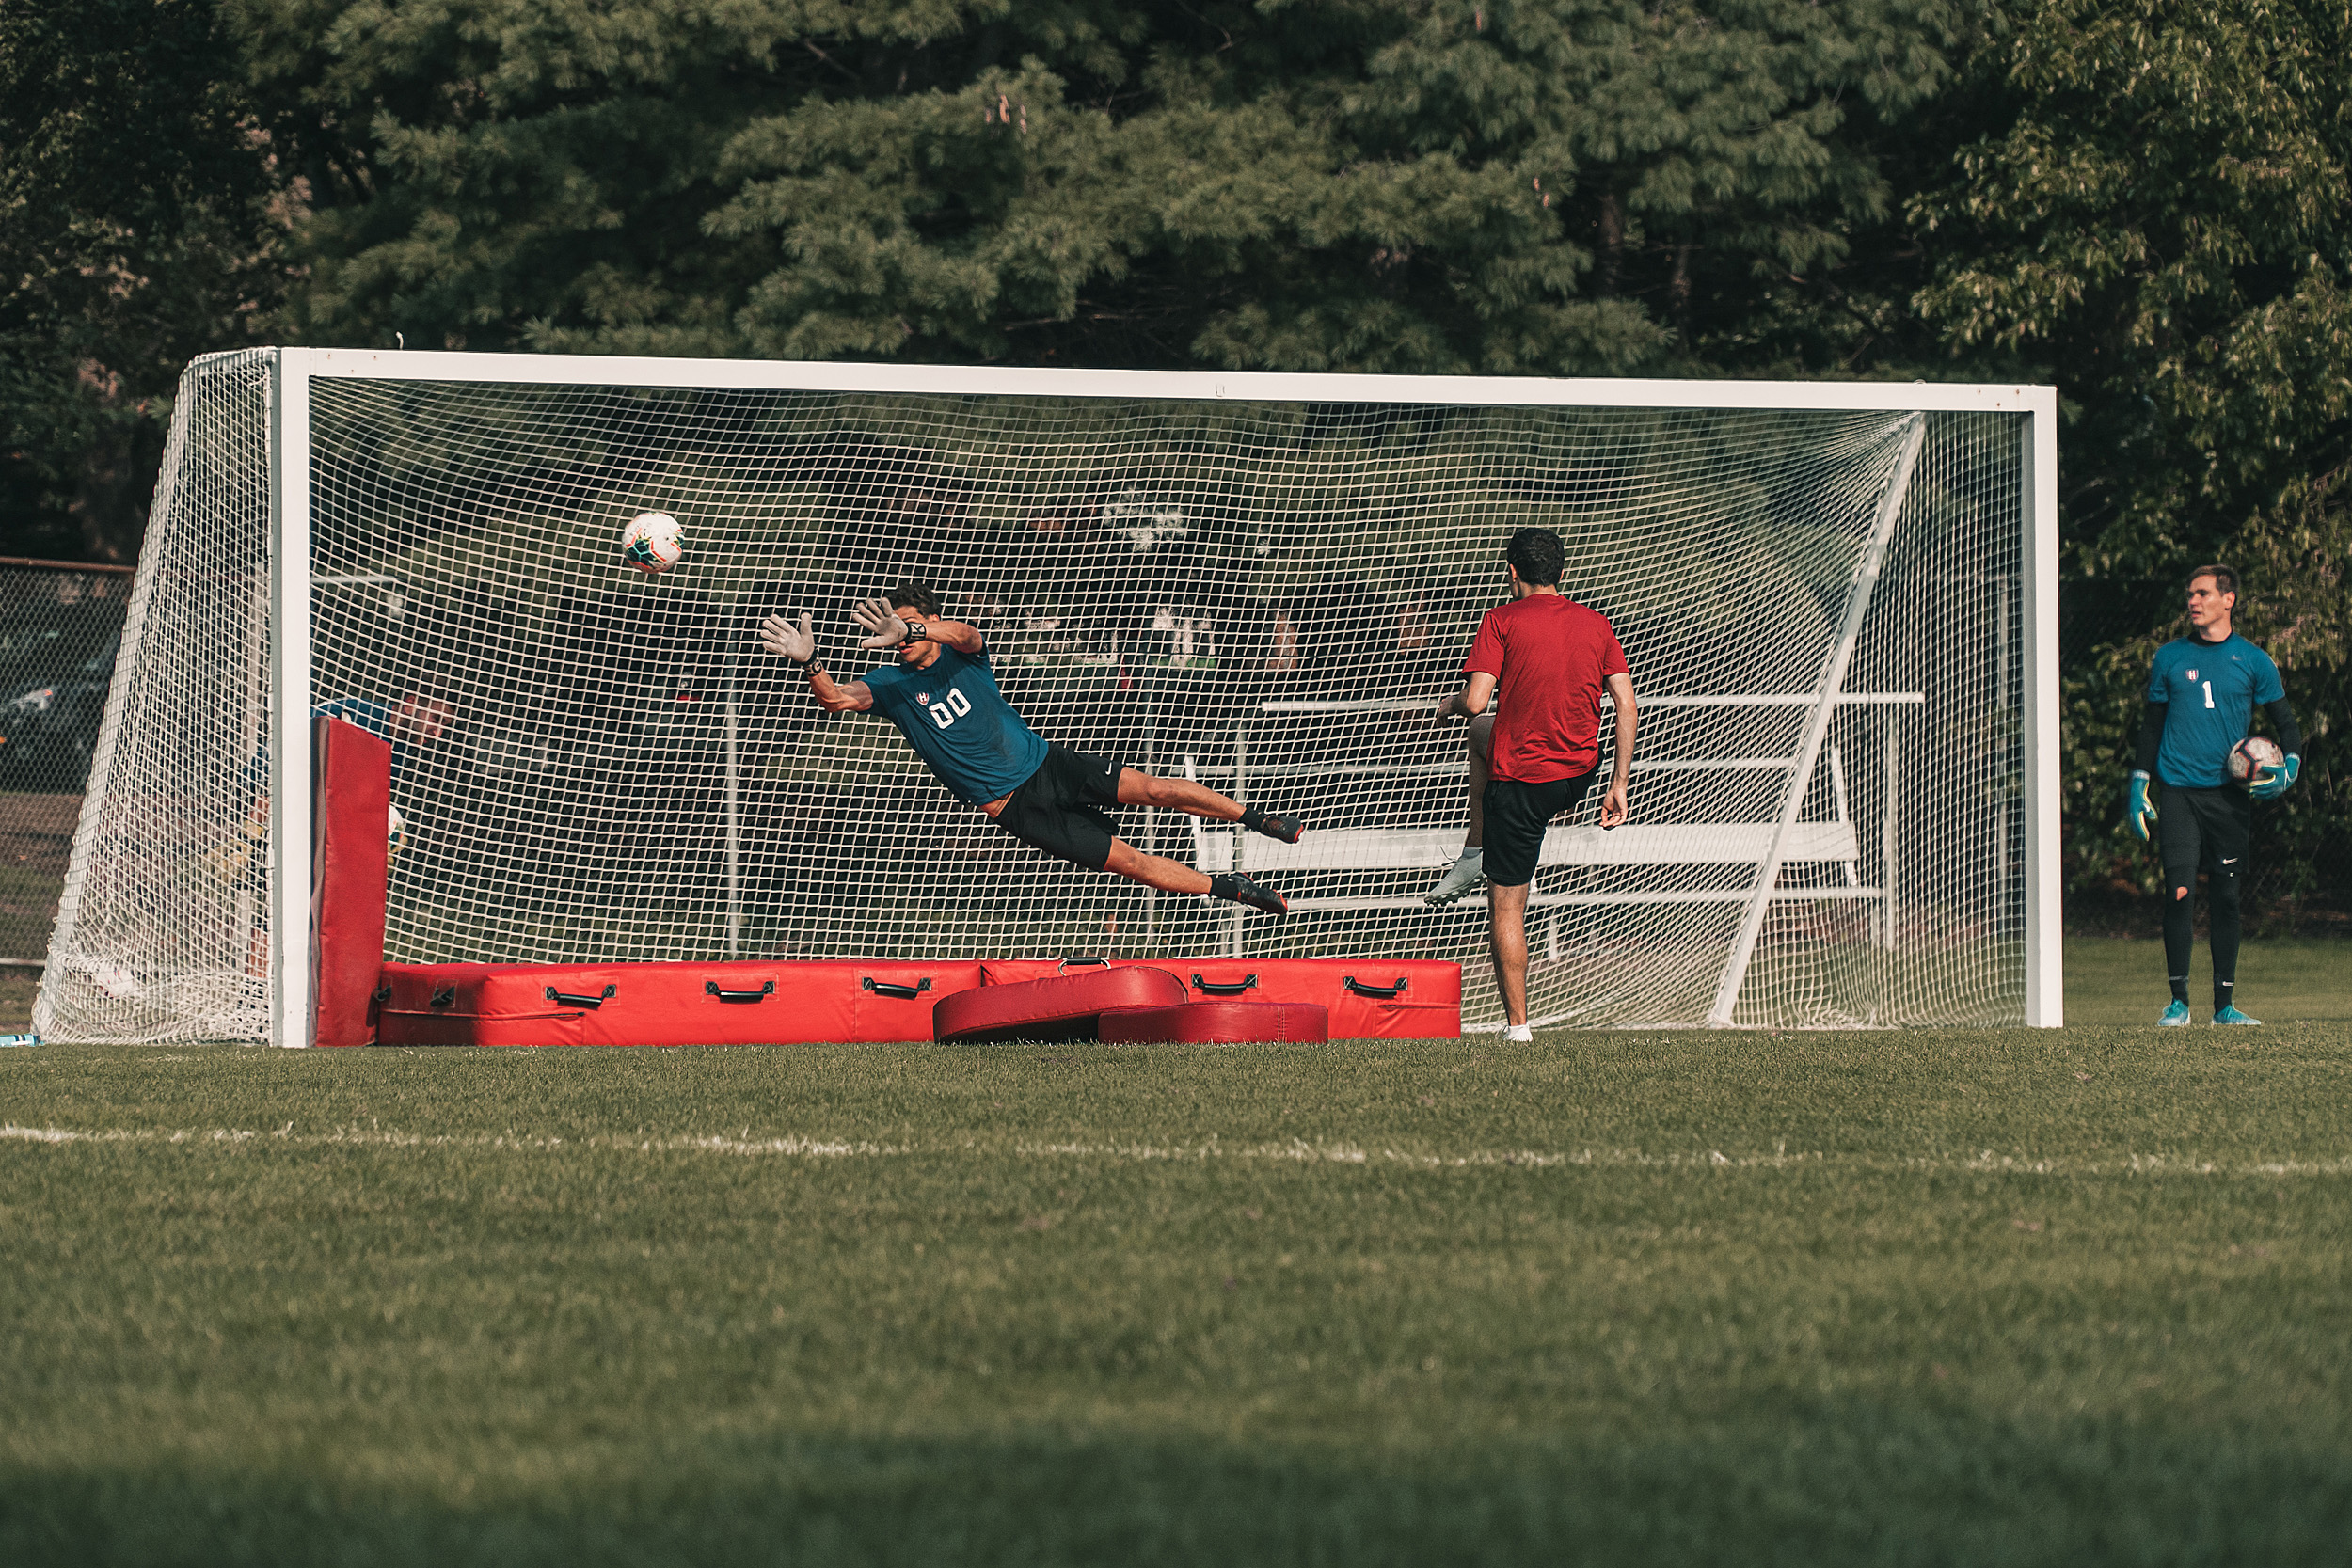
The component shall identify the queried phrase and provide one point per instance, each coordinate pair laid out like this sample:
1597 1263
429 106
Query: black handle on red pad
710 988
1218 988
591 1003
904 993
1386 993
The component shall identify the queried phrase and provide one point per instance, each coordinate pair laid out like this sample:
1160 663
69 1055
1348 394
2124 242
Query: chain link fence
60 624
2108 629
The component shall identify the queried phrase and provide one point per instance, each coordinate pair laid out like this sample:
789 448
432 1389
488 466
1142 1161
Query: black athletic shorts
2202 830
1064 808
1517 816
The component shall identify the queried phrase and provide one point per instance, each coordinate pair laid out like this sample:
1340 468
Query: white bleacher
1678 843
1636 844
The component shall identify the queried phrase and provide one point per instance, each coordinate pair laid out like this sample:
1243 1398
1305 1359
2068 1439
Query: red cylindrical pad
1061 1008
1218 1023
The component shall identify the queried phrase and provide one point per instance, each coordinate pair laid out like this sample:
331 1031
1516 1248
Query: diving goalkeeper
943 696
2201 693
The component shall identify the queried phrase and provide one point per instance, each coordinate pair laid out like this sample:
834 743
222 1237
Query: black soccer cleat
1286 829
1241 890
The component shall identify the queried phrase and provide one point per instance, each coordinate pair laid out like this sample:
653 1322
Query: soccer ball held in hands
2253 758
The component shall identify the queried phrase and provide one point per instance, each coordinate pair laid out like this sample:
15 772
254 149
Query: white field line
1295 1152
360 1138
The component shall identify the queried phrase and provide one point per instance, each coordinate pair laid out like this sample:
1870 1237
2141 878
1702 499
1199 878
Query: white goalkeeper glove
786 641
876 617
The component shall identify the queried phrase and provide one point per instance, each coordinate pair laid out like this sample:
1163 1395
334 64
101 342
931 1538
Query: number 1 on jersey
2208 686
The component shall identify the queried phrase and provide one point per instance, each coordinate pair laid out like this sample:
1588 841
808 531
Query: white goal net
1835 602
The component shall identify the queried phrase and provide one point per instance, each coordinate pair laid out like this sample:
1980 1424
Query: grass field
1926 1297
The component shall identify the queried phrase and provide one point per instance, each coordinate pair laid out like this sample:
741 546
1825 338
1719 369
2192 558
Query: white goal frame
292 371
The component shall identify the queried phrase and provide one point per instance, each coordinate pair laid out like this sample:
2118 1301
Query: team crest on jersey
925 696
2192 674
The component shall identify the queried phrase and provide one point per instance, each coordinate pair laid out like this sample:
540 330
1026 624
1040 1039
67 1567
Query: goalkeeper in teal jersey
943 696
2202 694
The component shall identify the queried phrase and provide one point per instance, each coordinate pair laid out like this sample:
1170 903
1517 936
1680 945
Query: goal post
1838 600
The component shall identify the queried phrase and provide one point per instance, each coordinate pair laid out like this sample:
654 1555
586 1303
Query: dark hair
918 595
2224 579
1537 553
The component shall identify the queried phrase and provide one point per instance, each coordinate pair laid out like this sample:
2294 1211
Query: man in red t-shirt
1537 754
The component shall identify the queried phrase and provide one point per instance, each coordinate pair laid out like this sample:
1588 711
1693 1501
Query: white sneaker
1519 1034
1462 879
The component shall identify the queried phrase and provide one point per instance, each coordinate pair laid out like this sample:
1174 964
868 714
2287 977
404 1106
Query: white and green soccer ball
651 543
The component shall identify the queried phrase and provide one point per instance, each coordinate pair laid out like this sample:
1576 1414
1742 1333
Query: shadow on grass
1849 1483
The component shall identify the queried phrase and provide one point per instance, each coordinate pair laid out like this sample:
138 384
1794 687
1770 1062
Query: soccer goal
1839 602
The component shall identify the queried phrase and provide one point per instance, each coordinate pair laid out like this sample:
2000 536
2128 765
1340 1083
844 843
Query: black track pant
2203 829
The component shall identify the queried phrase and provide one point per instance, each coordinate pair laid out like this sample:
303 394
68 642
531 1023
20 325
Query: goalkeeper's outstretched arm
799 645
911 630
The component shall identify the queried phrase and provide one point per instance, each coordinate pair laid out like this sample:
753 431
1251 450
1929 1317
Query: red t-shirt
1552 658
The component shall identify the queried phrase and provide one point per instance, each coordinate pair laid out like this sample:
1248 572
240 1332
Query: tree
142 215
1581 185
2164 227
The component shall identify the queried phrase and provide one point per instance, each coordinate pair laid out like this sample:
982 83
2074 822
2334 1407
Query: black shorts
1517 816
1064 808
2202 830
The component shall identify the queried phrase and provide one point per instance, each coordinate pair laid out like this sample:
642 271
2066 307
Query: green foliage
2159 218
2164 215
139 214
1581 186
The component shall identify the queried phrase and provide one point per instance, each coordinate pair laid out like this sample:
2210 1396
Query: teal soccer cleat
2231 1015
2175 1016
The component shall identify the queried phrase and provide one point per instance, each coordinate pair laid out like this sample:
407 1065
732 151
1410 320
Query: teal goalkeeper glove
2271 783
2138 809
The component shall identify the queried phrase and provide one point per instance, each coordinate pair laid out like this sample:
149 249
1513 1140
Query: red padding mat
1064 1007
1217 1024
1388 999
350 802
664 1003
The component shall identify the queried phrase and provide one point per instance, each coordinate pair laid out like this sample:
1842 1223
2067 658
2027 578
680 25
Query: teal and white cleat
2231 1015
2175 1016
1462 879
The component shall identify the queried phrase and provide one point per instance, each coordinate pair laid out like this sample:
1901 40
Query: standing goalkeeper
2200 704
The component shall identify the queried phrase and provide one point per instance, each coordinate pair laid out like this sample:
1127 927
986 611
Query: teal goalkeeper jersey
955 718
2208 691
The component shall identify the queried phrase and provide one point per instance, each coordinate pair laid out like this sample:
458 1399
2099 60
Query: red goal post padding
351 804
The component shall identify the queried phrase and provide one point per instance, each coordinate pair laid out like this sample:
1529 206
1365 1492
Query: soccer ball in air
650 543
2253 757
395 832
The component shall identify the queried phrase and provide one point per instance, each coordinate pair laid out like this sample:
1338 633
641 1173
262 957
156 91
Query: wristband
916 632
